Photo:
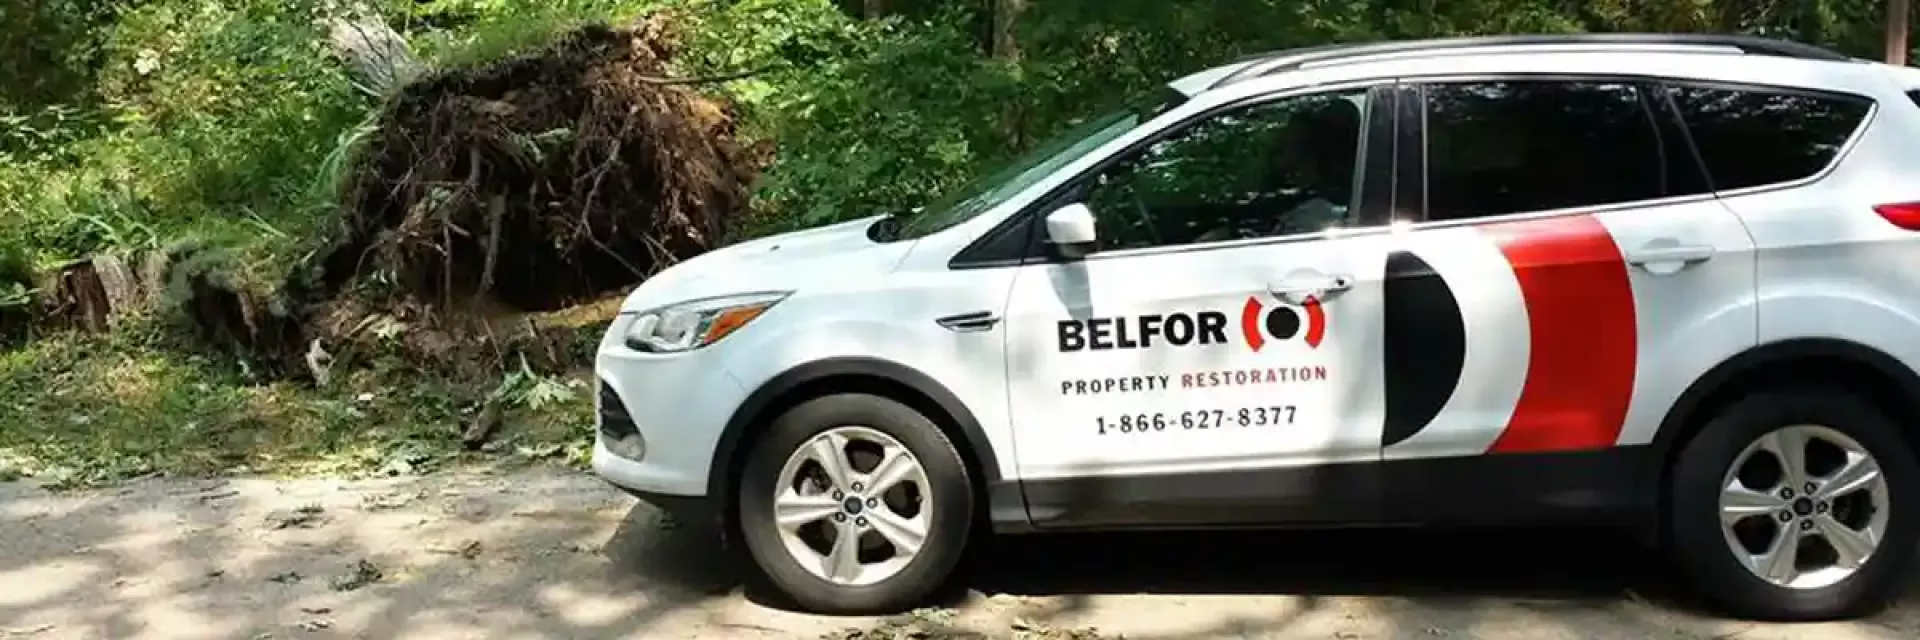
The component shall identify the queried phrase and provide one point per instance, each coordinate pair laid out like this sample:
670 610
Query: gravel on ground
547 554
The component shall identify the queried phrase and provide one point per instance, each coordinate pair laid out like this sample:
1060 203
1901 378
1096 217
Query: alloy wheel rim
1804 507
853 505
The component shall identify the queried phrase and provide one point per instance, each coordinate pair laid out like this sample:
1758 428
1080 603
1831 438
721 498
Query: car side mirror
1070 229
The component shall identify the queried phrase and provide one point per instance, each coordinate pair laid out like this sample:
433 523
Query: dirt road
551 555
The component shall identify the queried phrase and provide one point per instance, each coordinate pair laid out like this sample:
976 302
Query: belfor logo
1259 323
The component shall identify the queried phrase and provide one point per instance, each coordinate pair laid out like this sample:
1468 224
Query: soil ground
559 555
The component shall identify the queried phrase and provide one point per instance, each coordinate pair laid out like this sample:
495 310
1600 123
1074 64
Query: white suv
1671 282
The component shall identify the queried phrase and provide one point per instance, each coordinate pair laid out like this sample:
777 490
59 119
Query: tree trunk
1898 17
1006 18
1004 46
873 9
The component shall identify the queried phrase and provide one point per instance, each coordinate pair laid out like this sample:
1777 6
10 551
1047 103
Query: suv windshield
990 188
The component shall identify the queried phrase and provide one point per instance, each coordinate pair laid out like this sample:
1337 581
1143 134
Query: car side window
1751 138
1497 148
1273 169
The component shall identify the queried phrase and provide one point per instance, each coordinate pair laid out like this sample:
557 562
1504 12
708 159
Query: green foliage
49 50
213 120
871 116
46 135
79 410
16 277
142 121
191 260
461 32
867 116
226 125
526 388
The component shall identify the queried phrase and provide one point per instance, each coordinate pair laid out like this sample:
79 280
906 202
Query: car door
1573 274
1210 362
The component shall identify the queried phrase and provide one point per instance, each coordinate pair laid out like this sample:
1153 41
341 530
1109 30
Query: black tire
1702 550
950 524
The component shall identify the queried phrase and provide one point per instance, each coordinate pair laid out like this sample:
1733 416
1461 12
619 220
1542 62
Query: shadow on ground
1490 583
1565 564
1533 564
562 556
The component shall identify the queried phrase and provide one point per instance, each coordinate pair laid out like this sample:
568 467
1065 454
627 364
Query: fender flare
754 408
1674 427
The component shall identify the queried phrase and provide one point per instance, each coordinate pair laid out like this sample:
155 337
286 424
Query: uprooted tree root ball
540 181
487 198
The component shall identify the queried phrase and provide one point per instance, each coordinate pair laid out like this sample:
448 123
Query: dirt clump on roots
541 181
487 206
490 200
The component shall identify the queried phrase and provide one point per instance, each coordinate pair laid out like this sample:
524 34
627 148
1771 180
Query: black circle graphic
1283 323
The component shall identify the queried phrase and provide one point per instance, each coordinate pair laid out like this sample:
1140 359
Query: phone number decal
1267 416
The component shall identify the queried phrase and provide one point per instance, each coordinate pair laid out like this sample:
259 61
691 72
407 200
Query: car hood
803 244
775 263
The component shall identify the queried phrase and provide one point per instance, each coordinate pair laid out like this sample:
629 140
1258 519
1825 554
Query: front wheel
855 504
1797 505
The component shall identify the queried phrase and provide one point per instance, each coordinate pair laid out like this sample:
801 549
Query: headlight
697 323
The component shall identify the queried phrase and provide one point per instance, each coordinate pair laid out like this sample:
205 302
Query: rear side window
1914 95
1751 138
1496 148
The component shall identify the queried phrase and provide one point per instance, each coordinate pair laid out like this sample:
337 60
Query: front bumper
658 419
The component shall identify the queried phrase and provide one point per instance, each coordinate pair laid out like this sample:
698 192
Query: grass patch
79 410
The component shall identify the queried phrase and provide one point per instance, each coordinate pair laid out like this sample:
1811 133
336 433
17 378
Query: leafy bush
869 116
218 117
16 276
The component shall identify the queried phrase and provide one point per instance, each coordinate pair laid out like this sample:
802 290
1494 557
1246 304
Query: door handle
970 322
1297 287
1664 256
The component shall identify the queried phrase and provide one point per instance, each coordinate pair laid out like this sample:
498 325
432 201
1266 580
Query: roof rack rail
1292 59
1268 55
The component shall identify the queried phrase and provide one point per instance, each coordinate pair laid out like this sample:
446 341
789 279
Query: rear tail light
1904 215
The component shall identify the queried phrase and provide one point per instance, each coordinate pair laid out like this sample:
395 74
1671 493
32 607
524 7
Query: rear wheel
1797 506
855 504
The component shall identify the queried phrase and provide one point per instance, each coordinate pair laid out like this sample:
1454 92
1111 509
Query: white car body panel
894 323
1795 261
1330 388
1496 339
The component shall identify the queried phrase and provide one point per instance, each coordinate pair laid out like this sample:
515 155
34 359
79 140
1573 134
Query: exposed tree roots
486 197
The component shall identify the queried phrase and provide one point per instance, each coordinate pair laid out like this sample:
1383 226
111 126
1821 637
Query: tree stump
80 298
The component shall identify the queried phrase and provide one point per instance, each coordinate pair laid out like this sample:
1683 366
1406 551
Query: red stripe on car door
1579 306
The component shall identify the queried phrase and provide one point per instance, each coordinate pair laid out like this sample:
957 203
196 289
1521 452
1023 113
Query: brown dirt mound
541 181
489 198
